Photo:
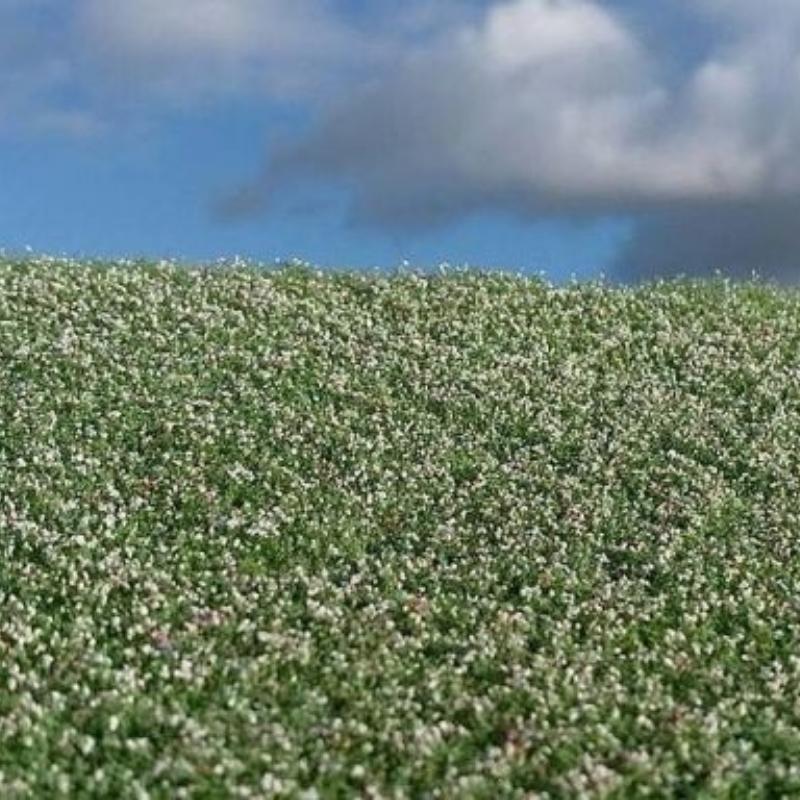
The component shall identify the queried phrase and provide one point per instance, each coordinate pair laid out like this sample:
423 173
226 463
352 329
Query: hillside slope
292 535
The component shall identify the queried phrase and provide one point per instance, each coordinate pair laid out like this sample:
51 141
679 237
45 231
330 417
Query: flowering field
280 534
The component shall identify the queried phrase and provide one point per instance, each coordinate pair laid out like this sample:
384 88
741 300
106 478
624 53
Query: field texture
279 534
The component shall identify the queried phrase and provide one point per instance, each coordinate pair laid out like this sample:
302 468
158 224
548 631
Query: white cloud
520 35
432 109
172 28
94 64
190 48
555 102
561 107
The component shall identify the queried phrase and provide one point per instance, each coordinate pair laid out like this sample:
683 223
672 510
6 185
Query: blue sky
572 137
156 198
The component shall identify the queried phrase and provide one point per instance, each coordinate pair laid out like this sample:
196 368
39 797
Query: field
285 534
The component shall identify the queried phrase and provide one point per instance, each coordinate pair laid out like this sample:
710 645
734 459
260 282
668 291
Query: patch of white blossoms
285 534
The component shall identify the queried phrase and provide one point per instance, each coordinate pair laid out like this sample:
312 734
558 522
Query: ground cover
285 534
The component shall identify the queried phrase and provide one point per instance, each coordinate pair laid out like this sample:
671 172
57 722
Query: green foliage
279 533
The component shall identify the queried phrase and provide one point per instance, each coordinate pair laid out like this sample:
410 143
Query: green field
279 533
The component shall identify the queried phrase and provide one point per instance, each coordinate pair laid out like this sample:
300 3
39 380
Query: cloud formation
36 71
302 50
557 107
98 59
685 117
190 49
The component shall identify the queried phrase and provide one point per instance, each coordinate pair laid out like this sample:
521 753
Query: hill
286 534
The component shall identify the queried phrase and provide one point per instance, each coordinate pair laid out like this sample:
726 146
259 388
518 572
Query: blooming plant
291 534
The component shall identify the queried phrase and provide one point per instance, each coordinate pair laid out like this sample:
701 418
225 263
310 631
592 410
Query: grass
284 534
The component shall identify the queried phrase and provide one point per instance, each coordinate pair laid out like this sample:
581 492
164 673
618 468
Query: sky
572 138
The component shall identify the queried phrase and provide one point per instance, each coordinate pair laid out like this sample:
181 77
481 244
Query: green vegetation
281 534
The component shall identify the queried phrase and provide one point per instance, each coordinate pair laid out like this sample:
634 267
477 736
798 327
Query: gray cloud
92 65
761 237
684 116
36 70
192 50
566 107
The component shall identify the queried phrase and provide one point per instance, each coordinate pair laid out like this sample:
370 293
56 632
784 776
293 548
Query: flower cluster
280 533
